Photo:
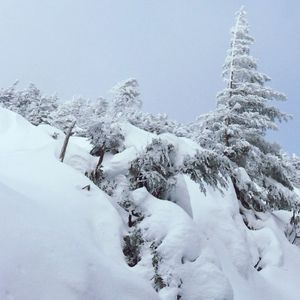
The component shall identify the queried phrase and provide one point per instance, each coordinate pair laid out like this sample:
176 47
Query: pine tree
62 117
206 167
243 110
125 98
244 101
30 103
238 126
85 112
157 124
8 96
99 107
293 163
39 107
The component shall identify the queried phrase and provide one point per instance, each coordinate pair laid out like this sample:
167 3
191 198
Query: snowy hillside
60 241
100 200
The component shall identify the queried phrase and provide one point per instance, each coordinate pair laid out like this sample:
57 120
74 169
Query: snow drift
60 241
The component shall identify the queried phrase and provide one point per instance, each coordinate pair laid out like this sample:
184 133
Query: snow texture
60 241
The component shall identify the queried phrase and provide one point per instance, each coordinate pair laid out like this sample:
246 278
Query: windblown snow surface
59 241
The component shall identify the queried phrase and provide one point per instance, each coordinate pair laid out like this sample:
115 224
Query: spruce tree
125 98
245 100
238 126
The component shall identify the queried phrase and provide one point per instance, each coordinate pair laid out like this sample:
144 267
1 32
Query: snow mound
248 258
182 251
61 242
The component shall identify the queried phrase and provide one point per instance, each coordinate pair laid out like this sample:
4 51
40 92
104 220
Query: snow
136 137
238 249
136 140
60 241
182 249
183 146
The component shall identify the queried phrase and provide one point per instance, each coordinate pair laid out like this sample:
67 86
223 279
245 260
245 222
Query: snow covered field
59 241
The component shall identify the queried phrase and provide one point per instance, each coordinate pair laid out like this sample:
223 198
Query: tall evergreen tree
245 100
238 126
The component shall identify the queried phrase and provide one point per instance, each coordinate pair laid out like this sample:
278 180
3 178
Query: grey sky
175 48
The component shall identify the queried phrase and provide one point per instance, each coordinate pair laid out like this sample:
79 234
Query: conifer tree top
245 84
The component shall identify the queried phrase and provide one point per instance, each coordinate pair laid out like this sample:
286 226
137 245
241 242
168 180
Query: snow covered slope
60 241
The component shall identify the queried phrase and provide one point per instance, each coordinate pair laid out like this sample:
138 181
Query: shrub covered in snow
154 169
106 135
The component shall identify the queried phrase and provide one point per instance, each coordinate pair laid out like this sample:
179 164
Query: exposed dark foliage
131 247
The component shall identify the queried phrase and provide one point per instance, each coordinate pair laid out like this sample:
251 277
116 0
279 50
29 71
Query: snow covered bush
107 136
206 167
122 195
157 124
157 261
104 183
132 247
154 169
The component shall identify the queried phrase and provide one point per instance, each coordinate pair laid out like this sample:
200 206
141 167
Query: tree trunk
226 135
101 153
66 141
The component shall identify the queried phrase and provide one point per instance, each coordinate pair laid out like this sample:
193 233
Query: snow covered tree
122 194
126 98
100 107
85 112
30 103
62 117
157 124
106 135
154 169
245 100
206 167
8 96
243 115
243 110
293 163
39 107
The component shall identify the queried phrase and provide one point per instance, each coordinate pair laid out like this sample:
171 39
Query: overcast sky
175 48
